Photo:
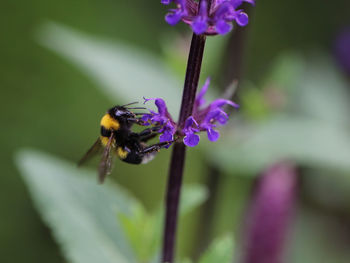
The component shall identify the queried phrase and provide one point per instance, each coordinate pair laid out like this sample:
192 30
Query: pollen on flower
203 119
213 20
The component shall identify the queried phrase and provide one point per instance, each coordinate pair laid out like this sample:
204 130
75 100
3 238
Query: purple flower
342 49
204 118
208 117
215 20
270 214
191 126
162 118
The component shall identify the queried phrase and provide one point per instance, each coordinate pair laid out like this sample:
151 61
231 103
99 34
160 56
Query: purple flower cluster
162 118
204 118
217 19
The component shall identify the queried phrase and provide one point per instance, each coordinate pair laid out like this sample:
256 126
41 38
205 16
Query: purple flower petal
167 133
218 2
200 23
166 137
165 2
146 117
191 139
222 117
189 123
203 9
237 3
199 26
147 100
200 97
168 127
222 27
173 18
216 115
212 115
222 10
213 135
162 109
222 102
162 118
242 19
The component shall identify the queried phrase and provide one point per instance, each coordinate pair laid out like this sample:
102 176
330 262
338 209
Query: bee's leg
156 147
149 152
148 137
146 154
149 133
139 121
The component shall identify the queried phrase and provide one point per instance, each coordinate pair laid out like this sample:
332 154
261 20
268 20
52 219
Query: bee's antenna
137 108
131 103
132 119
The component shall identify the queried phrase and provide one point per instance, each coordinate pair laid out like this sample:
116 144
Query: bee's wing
107 161
95 149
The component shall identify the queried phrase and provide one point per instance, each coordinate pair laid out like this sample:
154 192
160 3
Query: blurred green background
51 105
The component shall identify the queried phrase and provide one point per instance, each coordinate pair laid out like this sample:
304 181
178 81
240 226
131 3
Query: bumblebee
117 137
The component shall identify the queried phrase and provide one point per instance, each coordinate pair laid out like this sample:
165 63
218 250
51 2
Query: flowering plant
208 17
203 118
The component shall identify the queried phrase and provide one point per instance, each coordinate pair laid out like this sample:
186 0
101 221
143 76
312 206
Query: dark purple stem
193 70
270 214
179 150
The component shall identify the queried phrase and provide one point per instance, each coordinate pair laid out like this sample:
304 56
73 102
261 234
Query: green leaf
122 72
312 143
311 130
192 196
81 213
144 229
314 86
221 250
322 92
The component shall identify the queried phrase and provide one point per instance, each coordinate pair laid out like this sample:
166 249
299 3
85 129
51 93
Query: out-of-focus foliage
81 213
84 215
289 118
144 229
49 105
175 52
120 70
315 238
221 250
307 105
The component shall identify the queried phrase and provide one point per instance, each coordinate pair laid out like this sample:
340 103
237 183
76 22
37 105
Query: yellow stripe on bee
104 140
109 123
122 153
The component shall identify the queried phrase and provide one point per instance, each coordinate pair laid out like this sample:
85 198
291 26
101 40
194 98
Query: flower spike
218 19
204 118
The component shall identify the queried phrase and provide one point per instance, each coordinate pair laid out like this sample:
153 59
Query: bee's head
121 114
